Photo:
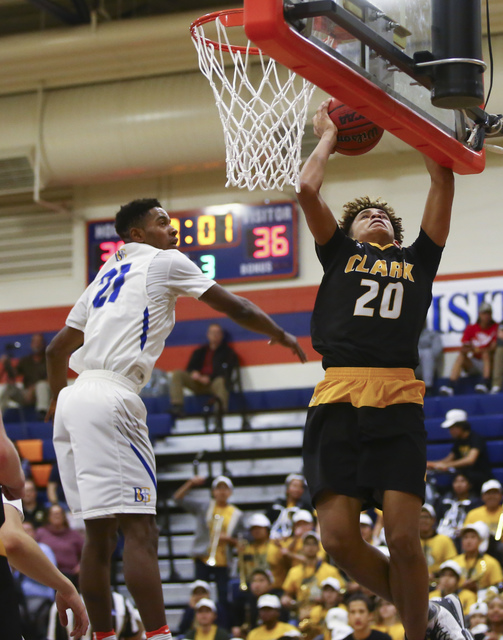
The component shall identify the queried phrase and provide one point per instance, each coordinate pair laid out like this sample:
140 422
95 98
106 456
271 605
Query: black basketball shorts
365 434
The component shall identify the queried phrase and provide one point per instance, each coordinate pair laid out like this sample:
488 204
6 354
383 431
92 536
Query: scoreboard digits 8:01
230 243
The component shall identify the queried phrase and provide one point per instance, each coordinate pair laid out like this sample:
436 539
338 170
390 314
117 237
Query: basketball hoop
262 105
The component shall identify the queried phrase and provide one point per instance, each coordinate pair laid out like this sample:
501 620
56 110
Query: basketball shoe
445 620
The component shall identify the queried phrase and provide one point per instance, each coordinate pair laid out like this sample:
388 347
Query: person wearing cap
479 570
244 607
455 504
336 624
261 552
491 512
208 371
469 450
449 577
280 513
477 350
216 517
477 618
205 627
291 547
436 547
330 598
269 608
199 589
303 582
367 528
387 620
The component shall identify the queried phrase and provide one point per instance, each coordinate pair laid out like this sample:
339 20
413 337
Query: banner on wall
456 300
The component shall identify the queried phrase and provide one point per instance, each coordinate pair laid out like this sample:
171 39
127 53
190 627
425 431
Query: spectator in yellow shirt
302 585
263 553
205 628
291 547
477 618
387 620
492 510
271 628
436 547
330 597
448 582
479 570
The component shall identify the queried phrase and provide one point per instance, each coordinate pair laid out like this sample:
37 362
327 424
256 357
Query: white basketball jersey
124 327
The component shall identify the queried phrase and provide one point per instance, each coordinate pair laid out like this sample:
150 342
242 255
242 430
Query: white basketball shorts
105 458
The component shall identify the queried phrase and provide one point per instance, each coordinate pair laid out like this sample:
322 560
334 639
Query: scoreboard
230 243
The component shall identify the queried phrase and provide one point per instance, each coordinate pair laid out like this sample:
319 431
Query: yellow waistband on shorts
2 549
368 387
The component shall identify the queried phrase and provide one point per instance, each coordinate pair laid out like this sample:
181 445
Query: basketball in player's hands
357 134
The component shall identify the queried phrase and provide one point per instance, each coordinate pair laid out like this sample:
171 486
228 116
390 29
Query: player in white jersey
114 334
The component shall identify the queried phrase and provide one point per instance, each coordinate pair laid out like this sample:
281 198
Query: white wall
400 178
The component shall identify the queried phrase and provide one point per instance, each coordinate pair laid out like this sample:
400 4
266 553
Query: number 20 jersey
128 311
372 301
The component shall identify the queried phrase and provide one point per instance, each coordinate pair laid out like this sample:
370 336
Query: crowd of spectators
291 588
273 579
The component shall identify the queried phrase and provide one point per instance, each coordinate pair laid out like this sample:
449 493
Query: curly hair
353 208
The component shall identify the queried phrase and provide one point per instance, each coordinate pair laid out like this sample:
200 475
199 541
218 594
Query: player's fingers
63 617
300 353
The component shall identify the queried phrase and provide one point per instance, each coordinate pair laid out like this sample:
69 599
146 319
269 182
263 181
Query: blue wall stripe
190 332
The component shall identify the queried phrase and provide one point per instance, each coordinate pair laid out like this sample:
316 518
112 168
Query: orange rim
228 18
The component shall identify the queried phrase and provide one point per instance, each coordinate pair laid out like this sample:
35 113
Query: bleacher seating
258 460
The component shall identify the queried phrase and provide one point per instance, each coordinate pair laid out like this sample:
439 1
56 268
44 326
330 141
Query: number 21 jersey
128 311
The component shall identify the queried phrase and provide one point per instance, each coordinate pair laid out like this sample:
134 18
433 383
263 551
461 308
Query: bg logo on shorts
141 494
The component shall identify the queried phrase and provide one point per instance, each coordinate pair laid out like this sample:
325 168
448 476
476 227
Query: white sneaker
447 622
446 391
495 389
481 388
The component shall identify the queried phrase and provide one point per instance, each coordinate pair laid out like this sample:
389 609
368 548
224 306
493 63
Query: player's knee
403 544
143 531
339 548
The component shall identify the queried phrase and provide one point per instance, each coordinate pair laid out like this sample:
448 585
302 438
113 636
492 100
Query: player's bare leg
339 518
141 568
408 571
94 579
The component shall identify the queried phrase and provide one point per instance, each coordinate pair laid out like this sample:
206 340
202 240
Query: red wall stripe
250 354
272 301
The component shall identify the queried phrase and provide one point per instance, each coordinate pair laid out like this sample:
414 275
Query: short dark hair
132 214
357 597
353 208
260 572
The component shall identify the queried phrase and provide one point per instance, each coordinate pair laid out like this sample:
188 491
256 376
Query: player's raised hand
323 124
290 342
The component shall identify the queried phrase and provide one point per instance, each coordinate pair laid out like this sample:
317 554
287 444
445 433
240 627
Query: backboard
316 39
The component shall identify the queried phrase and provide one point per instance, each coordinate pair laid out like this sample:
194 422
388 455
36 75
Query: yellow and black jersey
372 301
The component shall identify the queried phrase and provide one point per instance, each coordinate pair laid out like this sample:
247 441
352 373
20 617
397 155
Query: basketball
357 134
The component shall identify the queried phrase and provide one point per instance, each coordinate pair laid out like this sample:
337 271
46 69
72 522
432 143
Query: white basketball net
263 110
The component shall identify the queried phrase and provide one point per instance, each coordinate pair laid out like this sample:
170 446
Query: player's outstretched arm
437 213
11 473
25 555
320 219
249 316
57 353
